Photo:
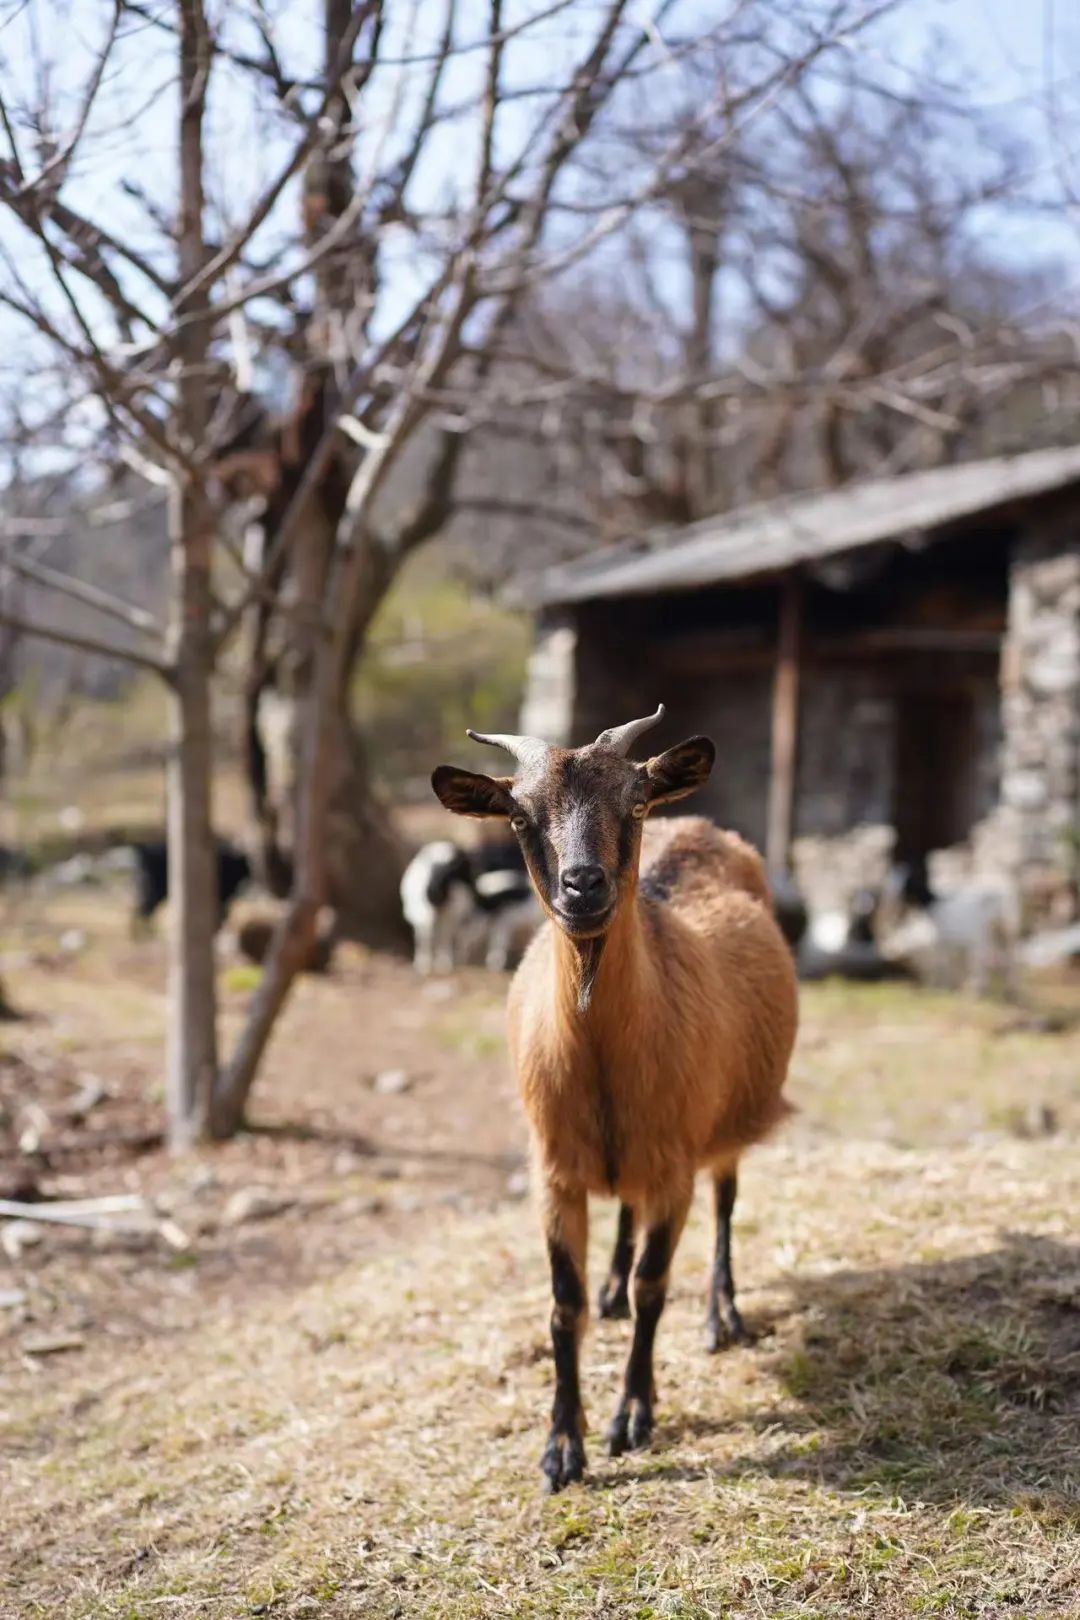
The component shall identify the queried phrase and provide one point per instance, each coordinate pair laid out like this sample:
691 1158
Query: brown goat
651 1024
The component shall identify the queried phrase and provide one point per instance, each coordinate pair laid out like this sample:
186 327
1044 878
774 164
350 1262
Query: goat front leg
614 1301
631 1427
723 1324
566 1231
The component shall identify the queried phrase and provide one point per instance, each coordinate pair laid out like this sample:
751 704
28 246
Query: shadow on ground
955 1382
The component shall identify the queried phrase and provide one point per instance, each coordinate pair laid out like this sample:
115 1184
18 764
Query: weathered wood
785 728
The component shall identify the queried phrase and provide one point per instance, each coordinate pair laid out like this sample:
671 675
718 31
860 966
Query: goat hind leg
723 1323
614 1300
631 1427
566 1231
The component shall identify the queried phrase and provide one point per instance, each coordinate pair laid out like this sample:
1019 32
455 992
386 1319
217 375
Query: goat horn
620 738
526 750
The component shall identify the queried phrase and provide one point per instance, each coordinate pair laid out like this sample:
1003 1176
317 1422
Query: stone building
891 668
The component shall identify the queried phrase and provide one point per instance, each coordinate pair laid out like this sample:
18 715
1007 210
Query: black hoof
631 1428
563 1461
724 1335
614 1300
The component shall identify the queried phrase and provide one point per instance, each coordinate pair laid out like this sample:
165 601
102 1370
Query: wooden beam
785 728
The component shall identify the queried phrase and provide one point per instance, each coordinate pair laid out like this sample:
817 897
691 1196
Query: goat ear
467 793
681 770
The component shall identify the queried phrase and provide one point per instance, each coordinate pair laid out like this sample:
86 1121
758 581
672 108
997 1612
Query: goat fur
679 1061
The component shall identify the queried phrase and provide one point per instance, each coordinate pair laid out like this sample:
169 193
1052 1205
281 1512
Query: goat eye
519 823
639 810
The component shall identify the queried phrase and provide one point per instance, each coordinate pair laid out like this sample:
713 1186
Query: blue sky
1022 58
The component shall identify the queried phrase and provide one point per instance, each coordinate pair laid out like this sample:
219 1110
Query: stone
1025 790
1056 670
19 1235
391 1083
254 1204
347 1163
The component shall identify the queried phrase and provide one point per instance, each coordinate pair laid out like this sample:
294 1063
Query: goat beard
589 952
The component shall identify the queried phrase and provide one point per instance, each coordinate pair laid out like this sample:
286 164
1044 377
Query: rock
347 1163
105 1239
11 1297
52 1344
1024 790
72 941
361 1206
254 1204
391 1083
91 1092
30 1137
19 1235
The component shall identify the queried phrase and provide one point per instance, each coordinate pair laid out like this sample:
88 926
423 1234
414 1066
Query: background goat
459 901
151 874
651 1025
965 939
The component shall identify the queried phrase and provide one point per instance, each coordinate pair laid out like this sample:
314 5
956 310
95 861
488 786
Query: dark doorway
936 765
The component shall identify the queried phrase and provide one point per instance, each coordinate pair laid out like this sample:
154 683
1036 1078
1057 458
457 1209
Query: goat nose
584 881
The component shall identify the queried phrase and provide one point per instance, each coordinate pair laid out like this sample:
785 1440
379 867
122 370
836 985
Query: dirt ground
326 1395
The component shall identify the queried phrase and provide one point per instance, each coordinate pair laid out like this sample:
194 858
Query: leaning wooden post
785 728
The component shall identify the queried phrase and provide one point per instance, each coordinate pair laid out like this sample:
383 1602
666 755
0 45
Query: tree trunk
365 859
192 1032
360 575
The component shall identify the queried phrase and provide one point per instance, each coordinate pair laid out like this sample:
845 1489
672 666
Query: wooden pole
785 728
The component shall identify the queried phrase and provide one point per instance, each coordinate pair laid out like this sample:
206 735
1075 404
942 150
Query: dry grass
340 1412
902 1441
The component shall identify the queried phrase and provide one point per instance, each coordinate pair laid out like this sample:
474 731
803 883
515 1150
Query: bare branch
66 585
96 645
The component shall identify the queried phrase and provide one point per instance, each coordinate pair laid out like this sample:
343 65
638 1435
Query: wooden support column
785 728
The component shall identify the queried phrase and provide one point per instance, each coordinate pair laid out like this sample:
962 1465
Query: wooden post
785 728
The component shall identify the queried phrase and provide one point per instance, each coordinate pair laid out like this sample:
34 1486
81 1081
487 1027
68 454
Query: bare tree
127 324
382 215
840 313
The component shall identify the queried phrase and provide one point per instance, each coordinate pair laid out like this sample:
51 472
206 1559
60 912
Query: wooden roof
772 536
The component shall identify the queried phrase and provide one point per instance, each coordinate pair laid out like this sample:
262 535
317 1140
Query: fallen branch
93 1213
107 1214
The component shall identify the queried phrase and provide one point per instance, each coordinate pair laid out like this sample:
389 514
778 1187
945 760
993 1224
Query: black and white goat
151 879
459 902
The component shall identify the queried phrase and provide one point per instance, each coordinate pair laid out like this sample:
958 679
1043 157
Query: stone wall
1034 833
551 681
